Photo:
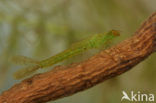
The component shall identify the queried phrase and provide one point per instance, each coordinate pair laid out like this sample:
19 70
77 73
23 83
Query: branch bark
68 80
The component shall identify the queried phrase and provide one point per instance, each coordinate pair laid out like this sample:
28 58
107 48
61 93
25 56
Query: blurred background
42 28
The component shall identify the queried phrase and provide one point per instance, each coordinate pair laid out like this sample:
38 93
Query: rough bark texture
67 80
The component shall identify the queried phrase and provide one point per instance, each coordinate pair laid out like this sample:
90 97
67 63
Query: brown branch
69 80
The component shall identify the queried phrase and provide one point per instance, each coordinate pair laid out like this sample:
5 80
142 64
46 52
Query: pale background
42 28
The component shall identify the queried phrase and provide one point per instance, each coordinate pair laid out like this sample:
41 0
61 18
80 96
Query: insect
95 41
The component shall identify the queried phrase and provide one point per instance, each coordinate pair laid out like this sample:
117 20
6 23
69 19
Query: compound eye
116 32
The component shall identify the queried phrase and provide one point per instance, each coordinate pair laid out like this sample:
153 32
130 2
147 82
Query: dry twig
77 77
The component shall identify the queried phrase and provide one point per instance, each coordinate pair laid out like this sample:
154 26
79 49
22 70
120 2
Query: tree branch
68 80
